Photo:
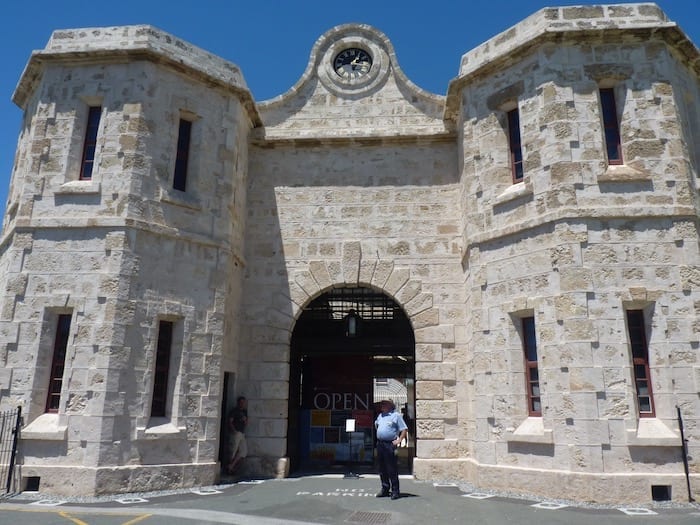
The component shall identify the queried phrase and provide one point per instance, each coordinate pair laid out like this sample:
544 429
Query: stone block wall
370 215
576 244
121 252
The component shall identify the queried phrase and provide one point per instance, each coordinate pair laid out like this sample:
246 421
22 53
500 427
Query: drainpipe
684 449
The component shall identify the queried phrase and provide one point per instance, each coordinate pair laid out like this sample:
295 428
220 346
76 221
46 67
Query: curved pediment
352 87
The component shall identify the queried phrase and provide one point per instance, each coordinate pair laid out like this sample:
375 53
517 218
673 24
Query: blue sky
271 39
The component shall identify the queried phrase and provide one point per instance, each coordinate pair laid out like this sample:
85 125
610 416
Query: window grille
90 144
183 155
516 152
58 362
611 126
162 369
368 304
532 374
640 362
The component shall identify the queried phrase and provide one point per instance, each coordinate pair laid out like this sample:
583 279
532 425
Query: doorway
351 347
228 401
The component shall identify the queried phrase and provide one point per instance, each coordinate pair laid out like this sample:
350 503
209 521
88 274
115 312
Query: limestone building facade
521 254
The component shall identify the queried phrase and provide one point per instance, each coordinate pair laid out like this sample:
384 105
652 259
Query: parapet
551 20
124 43
575 23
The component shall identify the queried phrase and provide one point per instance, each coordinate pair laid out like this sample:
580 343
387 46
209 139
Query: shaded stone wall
686 96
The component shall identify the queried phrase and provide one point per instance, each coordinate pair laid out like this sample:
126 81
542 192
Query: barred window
516 152
640 362
58 362
532 375
183 155
90 144
162 369
611 126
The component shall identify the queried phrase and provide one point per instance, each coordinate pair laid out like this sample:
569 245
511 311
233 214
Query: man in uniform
391 429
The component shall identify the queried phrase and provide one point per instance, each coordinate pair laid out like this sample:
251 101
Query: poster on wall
327 445
337 389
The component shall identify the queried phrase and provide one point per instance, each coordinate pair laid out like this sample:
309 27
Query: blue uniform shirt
389 426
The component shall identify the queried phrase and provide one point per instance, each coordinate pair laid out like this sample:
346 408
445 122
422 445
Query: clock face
352 63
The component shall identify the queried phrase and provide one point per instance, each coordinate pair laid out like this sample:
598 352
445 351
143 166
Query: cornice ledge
258 138
116 223
581 214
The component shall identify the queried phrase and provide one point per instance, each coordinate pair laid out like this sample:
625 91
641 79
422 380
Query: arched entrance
351 347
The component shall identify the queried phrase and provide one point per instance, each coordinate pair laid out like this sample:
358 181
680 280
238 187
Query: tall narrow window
640 362
162 369
58 363
183 154
532 375
612 128
516 152
90 145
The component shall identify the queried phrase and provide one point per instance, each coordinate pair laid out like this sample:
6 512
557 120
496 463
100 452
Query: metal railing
10 422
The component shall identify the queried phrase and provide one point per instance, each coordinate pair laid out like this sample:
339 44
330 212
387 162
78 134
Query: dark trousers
388 467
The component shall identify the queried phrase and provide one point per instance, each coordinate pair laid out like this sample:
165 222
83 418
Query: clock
352 63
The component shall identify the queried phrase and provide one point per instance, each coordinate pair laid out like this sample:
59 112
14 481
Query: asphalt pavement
327 499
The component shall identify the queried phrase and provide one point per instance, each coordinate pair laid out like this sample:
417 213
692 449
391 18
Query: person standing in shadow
237 422
391 429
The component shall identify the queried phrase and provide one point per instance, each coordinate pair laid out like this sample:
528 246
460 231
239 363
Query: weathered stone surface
438 449
319 270
428 352
436 409
435 371
430 429
352 254
429 389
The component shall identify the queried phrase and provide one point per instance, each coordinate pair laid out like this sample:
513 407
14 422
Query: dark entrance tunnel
350 348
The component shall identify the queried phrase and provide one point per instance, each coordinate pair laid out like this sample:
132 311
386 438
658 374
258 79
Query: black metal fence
10 421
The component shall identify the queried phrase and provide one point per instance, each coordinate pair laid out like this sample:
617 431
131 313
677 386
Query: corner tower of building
579 141
121 245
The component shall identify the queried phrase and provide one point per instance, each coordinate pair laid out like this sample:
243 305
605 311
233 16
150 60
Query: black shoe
382 494
394 496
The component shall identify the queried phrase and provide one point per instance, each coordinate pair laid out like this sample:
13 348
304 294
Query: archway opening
351 348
